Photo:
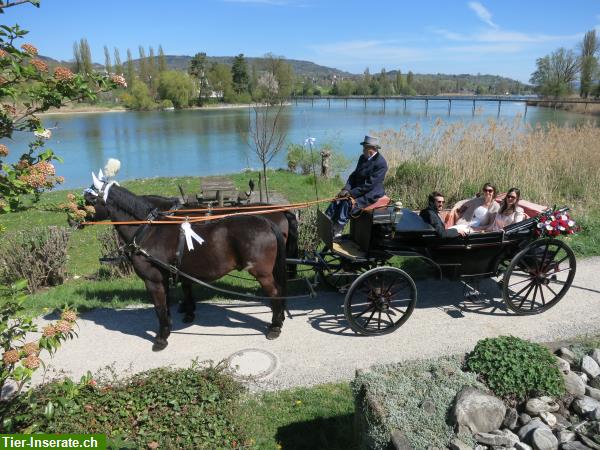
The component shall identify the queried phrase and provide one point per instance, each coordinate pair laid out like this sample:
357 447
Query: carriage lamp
396 213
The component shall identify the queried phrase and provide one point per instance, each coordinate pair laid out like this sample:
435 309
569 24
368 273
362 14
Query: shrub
39 256
516 369
110 247
301 158
308 238
164 408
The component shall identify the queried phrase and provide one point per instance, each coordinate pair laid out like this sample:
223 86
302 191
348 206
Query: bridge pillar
346 101
312 102
365 100
329 103
404 104
383 104
426 105
499 104
449 105
525 114
473 112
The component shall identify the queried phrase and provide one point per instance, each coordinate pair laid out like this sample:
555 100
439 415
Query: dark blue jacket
365 184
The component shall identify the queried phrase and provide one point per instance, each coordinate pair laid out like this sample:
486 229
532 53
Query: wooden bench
218 189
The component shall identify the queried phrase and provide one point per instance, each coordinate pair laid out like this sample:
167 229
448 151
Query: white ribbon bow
190 236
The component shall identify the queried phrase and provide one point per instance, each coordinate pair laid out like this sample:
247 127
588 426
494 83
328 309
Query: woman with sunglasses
479 212
510 211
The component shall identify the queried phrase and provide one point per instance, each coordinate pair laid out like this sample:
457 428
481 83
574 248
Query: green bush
516 369
38 255
174 408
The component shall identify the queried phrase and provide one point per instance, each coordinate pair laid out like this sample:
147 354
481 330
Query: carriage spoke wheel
380 301
539 276
339 275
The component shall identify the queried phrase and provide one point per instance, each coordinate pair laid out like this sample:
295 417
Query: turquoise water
208 142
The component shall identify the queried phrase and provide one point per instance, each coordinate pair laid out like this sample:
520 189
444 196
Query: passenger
510 212
363 188
479 212
431 215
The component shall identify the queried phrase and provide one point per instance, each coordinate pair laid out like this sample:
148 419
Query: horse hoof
159 345
188 318
273 333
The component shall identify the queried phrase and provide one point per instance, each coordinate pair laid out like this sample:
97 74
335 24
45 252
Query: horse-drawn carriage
534 272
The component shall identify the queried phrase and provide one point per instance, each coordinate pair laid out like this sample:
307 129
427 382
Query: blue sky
429 36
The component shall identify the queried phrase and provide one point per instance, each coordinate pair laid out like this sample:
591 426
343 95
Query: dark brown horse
249 243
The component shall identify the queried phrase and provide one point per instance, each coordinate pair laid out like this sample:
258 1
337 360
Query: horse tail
279 270
291 246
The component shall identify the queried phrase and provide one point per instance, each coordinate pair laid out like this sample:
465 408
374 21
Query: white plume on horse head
97 183
112 167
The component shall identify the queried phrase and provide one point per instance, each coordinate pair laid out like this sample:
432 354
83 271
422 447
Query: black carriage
533 272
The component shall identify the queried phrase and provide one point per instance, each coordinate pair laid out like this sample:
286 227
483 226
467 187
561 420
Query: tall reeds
550 164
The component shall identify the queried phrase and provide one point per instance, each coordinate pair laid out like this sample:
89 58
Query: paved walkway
315 346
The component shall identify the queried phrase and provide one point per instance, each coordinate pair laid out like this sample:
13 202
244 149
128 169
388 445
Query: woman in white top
479 212
510 211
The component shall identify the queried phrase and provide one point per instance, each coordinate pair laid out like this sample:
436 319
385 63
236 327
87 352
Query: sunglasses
488 190
440 201
514 197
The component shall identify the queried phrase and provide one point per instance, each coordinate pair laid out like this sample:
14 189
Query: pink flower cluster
3 150
39 65
119 80
29 49
40 175
63 74
556 223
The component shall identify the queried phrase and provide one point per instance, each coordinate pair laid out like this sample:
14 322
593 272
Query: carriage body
533 272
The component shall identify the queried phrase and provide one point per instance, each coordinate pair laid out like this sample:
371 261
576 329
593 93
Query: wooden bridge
527 100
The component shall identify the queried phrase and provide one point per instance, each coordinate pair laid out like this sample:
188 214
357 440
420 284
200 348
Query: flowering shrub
28 87
76 209
554 223
20 359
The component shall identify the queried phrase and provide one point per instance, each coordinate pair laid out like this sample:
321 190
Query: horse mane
128 202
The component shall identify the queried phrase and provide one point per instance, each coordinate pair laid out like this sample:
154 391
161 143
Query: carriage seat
381 202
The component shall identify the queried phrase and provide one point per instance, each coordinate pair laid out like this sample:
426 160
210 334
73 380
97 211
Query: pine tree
239 72
107 64
198 69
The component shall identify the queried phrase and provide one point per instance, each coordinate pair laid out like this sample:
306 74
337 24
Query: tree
239 74
85 54
107 63
555 73
77 66
177 87
139 97
589 63
409 79
266 133
199 70
152 72
130 77
28 87
398 84
220 81
118 64
143 65
162 61
283 73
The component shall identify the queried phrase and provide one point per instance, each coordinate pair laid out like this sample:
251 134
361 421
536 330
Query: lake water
209 142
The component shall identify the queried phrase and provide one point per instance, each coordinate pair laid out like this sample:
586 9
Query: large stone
595 382
457 444
510 418
574 445
590 367
565 436
585 405
522 446
595 414
589 442
524 418
573 384
512 437
526 431
535 406
563 364
596 355
567 355
478 411
493 439
548 418
592 392
543 439
399 441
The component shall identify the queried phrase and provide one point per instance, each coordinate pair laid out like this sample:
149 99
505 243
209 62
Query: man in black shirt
431 216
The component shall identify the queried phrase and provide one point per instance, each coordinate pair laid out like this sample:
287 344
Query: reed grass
550 164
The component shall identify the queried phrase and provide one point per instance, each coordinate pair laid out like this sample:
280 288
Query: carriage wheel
339 275
539 276
380 301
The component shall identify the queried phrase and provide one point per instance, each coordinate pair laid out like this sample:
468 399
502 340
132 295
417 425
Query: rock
590 367
428 406
480 447
524 418
493 439
573 384
535 406
595 414
510 419
522 446
587 441
592 392
567 355
583 376
561 421
399 441
596 355
595 382
457 444
478 411
565 436
512 437
563 365
548 418
585 405
543 439
526 431
575 445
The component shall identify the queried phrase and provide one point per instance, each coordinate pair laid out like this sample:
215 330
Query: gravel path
315 347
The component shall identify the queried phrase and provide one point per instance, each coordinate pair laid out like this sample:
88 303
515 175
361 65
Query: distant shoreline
101 109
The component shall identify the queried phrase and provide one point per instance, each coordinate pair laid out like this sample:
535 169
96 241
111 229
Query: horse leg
269 285
158 293
188 305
